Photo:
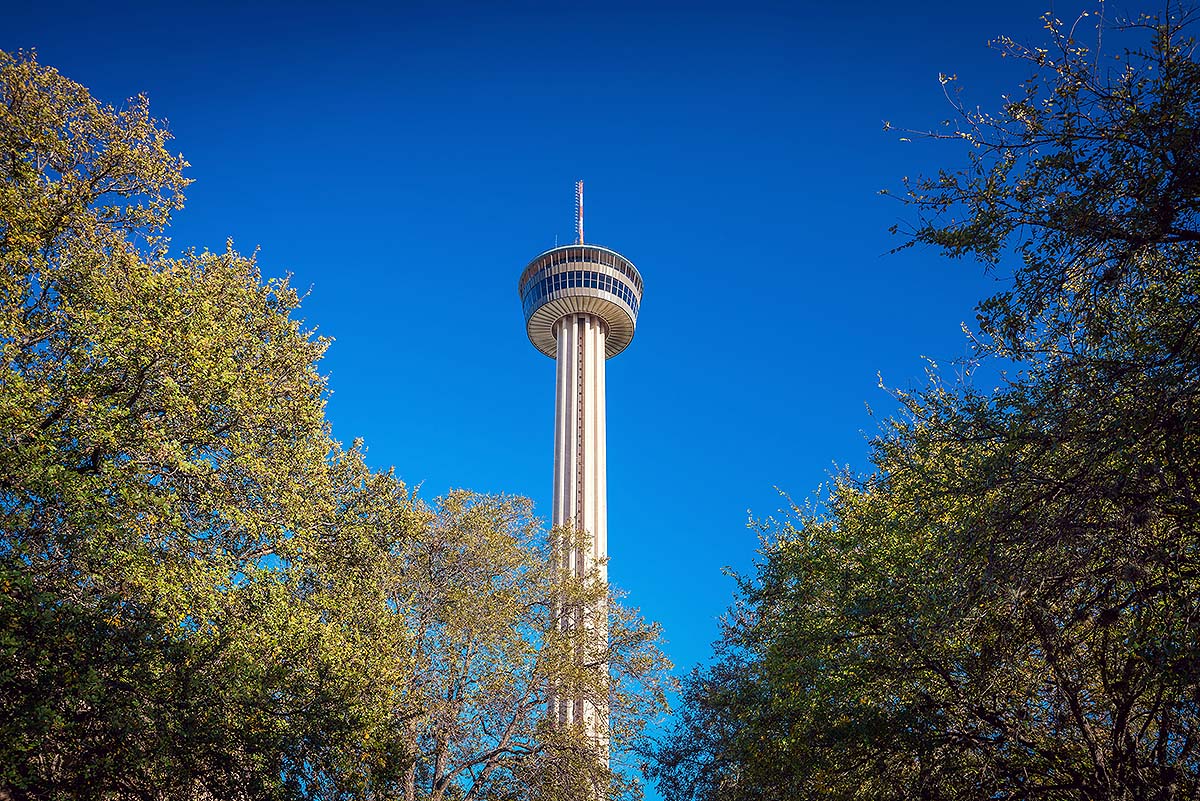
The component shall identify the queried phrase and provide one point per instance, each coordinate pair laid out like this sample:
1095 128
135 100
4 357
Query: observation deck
574 279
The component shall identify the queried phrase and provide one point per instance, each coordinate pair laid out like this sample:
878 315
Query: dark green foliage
1008 607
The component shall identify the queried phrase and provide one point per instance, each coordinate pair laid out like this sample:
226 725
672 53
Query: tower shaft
580 499
580 493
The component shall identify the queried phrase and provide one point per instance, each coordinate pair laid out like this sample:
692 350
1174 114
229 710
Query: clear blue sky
406 161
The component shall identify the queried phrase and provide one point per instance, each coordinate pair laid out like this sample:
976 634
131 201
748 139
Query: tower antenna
579 212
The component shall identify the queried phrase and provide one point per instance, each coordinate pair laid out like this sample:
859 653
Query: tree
204 594
479 592
1006 607
161 437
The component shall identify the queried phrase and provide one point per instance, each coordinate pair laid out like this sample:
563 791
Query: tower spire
579 212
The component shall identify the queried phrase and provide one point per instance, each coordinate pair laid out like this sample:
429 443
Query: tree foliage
203 594
1007 607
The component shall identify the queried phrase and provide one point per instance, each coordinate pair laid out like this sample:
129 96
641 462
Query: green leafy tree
1006 608
480 594
161 439
203 594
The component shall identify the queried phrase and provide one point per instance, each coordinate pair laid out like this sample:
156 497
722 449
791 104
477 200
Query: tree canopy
1007 606
204 595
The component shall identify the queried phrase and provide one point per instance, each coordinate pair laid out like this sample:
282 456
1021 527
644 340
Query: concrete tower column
580 503
579 448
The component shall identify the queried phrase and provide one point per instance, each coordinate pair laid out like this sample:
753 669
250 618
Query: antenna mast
579 212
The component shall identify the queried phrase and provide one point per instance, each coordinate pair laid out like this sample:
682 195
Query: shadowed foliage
1007 607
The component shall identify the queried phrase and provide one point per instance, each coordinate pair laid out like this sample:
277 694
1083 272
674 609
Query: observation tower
581 306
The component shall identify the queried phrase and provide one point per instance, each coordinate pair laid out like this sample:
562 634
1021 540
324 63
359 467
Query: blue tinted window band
537 292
